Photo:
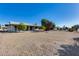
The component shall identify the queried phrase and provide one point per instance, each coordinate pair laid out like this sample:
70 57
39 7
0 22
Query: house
78 30
12 26
55 29
2 28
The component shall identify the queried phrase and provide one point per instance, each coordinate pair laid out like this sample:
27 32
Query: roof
11 22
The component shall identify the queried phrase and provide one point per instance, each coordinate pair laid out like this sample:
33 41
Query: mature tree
43 22
53 25
59 28
22 26
48 24
75 27
65 28
35 24
70 29
0 26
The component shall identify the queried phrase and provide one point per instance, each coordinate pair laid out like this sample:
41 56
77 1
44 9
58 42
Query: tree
70 30
0 26
48 24
52 25
22 26
35 24
75 27
43 22
65 28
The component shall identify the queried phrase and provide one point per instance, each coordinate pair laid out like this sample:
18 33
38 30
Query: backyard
39 43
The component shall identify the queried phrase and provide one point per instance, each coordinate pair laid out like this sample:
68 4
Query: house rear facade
12 26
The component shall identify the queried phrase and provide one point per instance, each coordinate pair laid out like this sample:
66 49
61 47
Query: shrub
75 27
70 30
43 27
22 26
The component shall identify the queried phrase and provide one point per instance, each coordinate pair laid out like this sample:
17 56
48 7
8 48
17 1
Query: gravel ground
28 43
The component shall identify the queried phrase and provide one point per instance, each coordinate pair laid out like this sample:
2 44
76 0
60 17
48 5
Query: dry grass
34 43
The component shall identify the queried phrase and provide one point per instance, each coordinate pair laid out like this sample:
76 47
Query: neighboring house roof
11 22
16 23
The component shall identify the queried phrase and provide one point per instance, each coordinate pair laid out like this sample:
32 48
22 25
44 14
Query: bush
70 30
43 27
22 26
75 27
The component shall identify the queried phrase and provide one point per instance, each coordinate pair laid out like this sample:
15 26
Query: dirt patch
35 44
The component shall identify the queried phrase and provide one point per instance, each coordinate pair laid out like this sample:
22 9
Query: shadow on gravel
76 39
70 50
7 32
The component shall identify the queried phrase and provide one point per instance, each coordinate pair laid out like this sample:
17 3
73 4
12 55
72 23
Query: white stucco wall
10 28
77 30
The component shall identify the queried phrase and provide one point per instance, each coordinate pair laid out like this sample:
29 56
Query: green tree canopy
0 26
48 24
43 22
22 26
75 27
43 27
65 27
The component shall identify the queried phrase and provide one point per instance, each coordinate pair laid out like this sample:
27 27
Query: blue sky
61 14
